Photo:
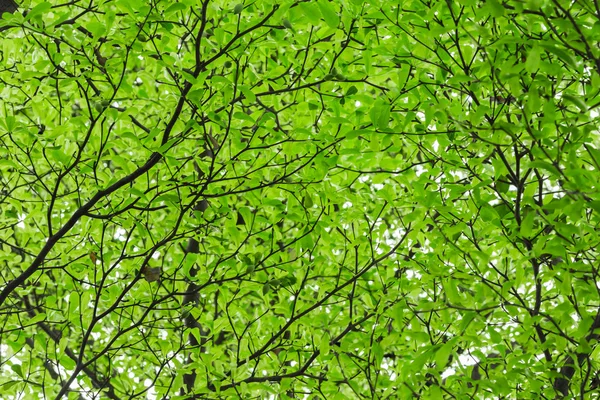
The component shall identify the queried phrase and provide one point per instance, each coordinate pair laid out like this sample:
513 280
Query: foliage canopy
300 199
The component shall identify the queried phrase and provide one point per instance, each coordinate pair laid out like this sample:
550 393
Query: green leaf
37 318
17 369
175 7
533 60
329 14
377 354
288 280
67 363
526 229
351 90
98 29
555 49
442 354
266 288
496 8
595 154
39 10
577 101
250 96
324 346
238 8
311 11
380 114
287 24
451 291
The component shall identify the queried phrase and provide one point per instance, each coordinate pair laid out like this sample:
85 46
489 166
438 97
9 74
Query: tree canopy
299 199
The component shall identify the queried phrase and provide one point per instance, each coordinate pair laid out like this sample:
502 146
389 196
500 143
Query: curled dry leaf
99 57
213 141
151 274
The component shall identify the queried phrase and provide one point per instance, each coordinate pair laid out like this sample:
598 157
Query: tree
314 199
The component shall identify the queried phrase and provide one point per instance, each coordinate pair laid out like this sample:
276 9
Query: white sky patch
151 393
465 360
448 372
410 274
120 235
549 285
21 223
398 233
4 349
419 170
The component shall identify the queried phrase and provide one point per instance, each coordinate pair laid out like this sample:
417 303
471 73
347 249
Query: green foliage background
343 199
